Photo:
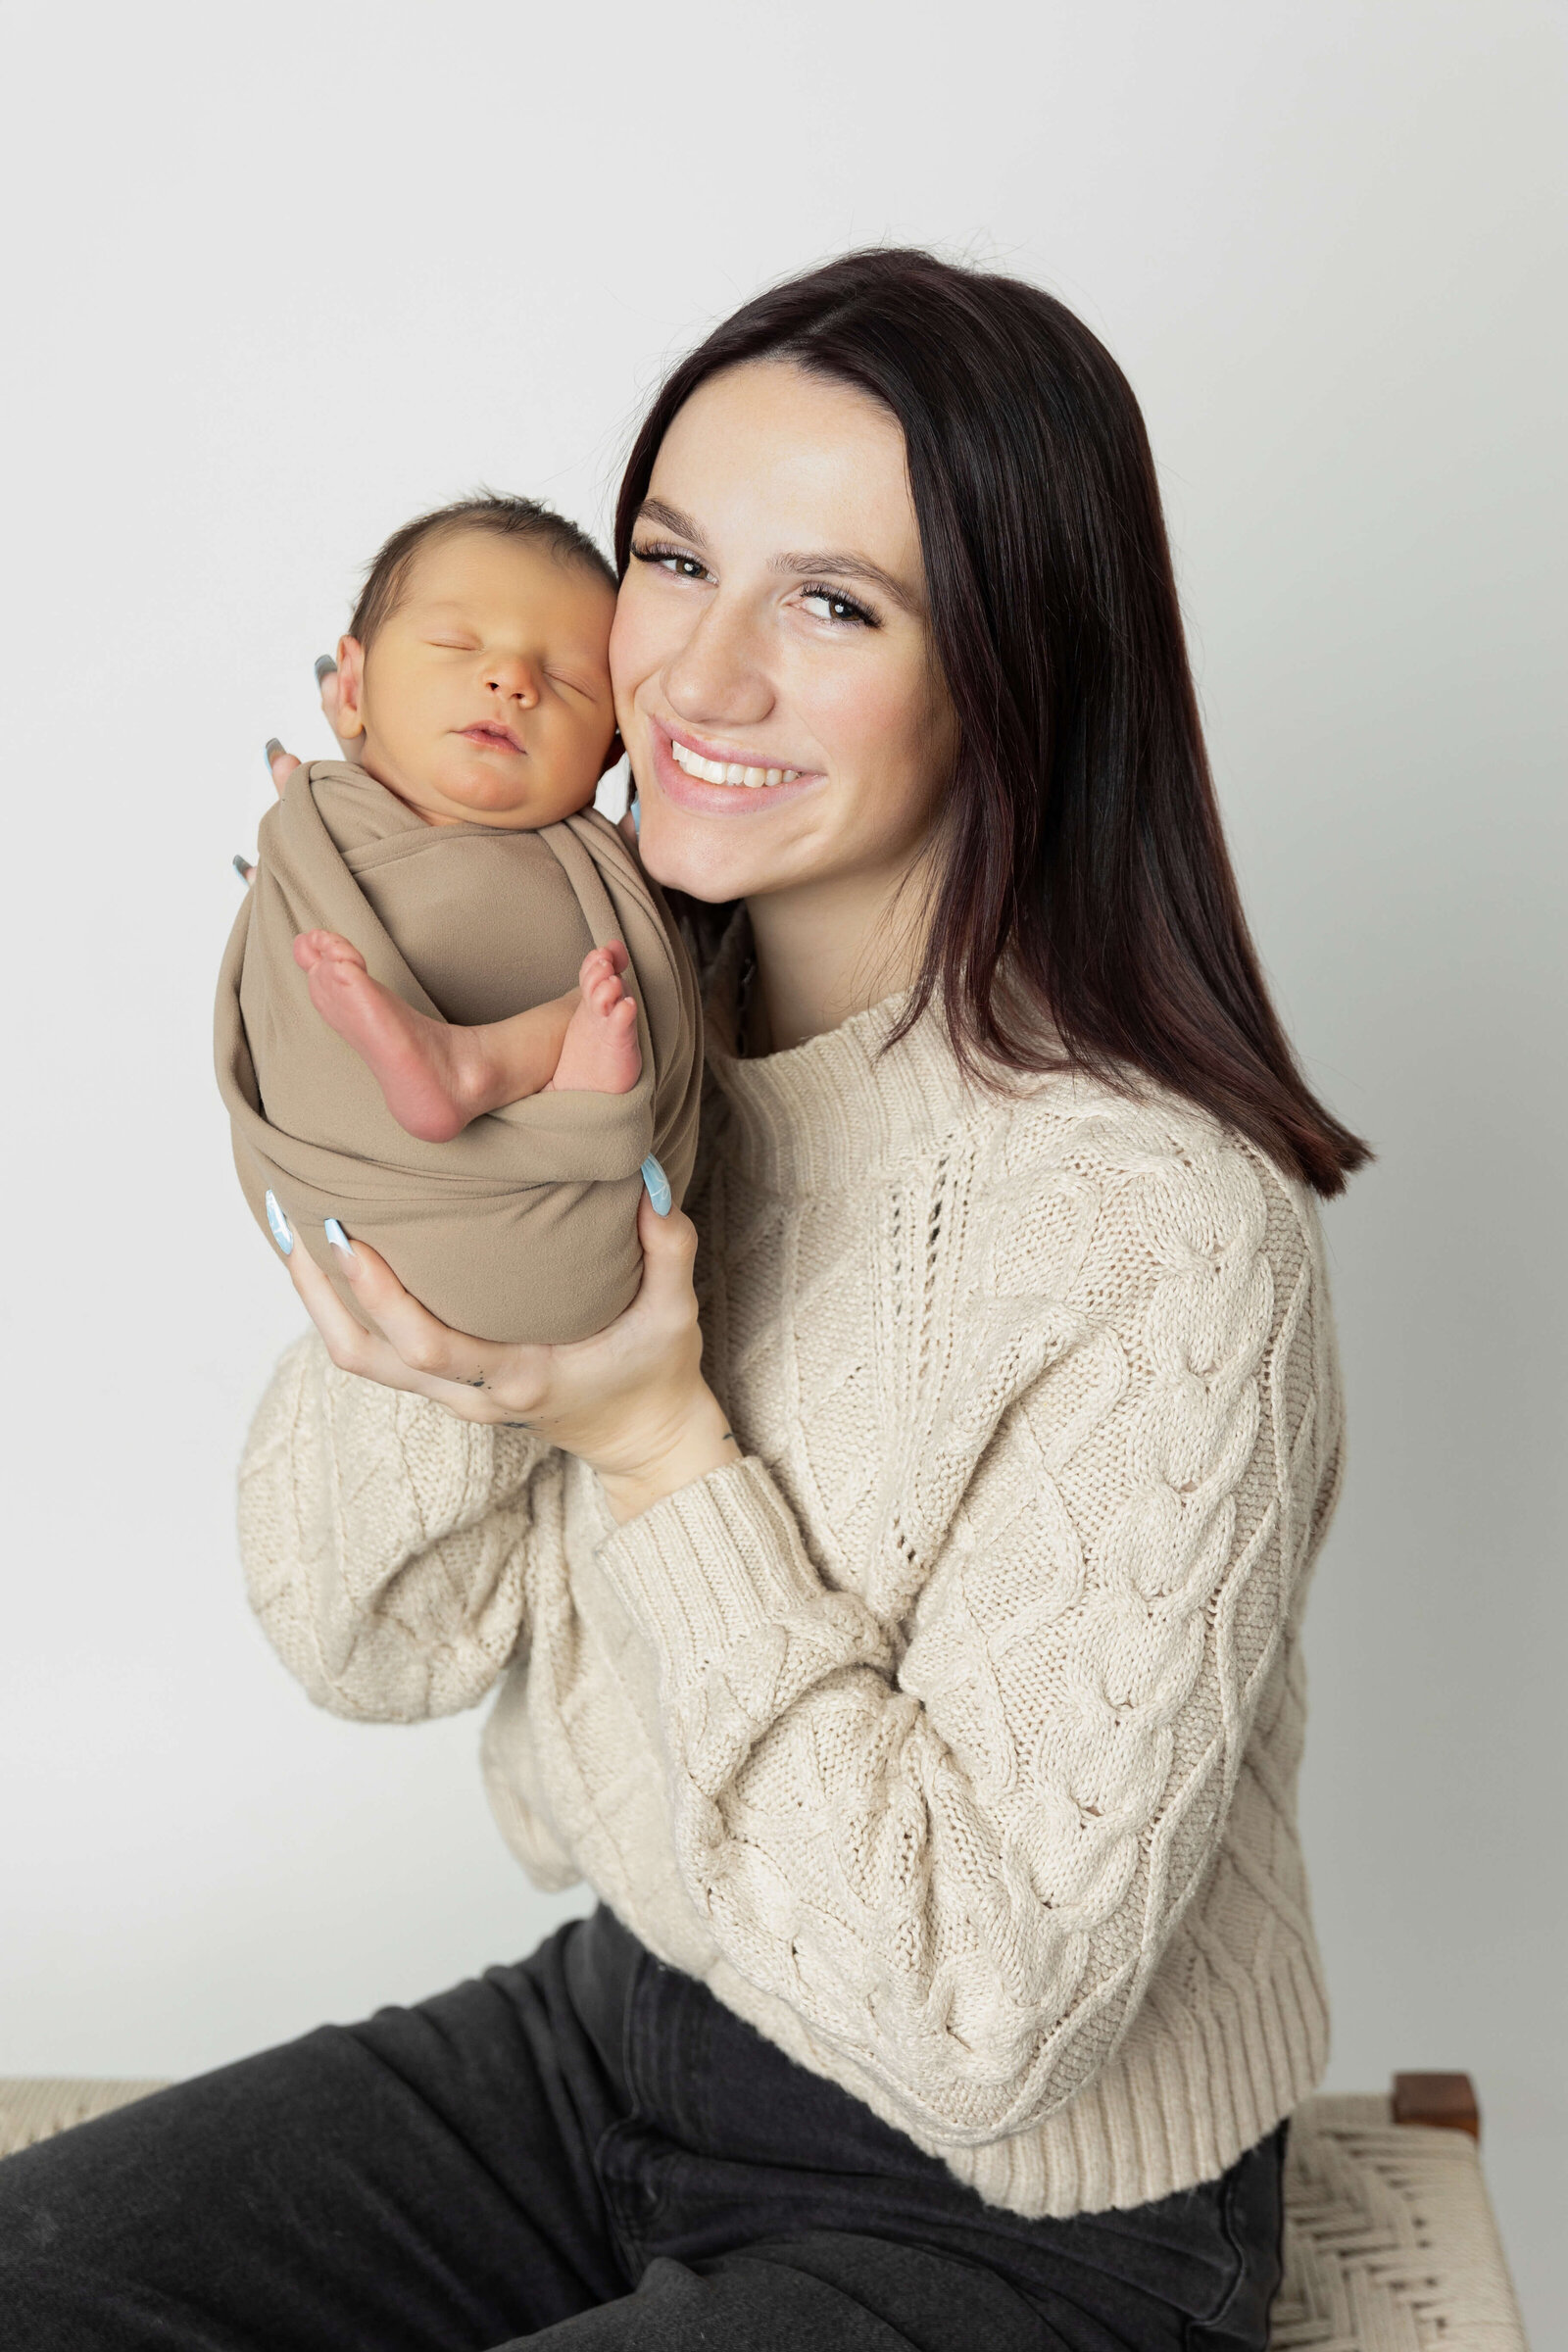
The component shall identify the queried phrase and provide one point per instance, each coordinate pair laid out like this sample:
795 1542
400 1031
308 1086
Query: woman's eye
826 603
674 560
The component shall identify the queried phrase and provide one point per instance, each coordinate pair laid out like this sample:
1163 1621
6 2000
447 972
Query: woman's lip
717 800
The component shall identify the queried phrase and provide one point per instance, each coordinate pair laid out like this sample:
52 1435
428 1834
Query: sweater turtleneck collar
828 1113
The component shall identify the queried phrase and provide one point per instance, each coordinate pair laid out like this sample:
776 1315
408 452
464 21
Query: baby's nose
516 681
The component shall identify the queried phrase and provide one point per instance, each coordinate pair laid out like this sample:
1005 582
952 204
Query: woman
906 1652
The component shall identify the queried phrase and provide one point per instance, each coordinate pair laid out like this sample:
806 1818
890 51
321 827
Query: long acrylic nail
341 1244
273 746
658 1183
325 666
243 865
281 1227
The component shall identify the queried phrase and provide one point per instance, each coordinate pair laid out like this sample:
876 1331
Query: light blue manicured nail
338 1238
325 666
242 865
658 1183
273 746
637 814
280 1224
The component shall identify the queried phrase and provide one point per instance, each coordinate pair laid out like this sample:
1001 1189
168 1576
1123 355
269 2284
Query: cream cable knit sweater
951 1737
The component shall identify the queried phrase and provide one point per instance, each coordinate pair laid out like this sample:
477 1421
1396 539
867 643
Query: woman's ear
349 717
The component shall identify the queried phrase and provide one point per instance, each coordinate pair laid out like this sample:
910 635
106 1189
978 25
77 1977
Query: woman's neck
830 951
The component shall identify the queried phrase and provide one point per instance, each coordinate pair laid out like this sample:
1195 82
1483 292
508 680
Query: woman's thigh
829 2290
420 2182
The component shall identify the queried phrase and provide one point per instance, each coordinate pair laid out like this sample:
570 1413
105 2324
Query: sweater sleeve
957 1850
385 1542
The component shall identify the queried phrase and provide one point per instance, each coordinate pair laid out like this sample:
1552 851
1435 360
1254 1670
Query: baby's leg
436 1076
599 1054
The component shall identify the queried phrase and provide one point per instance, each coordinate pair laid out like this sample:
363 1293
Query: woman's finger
351 1346
281 765
670 1249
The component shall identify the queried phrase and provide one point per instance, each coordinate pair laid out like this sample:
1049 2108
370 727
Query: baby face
485 693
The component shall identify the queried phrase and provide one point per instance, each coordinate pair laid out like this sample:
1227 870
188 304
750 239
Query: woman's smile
717 769
715 780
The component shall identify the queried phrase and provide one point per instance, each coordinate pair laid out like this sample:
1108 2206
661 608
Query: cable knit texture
951 1737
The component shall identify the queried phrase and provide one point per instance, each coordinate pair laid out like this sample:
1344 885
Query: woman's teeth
720 771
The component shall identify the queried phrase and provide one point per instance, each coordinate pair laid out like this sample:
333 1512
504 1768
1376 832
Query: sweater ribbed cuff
706 1567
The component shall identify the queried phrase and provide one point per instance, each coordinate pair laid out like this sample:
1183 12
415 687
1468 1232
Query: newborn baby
454 1014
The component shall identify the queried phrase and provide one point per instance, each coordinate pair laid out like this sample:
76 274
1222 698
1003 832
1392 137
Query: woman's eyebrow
653 510
849 568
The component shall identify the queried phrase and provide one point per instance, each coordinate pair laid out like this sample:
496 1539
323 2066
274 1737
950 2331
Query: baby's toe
325 947
604 992
605 962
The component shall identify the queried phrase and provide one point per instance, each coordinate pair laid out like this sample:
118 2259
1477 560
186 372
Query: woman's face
775 681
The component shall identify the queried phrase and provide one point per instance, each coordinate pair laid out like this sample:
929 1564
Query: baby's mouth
495 738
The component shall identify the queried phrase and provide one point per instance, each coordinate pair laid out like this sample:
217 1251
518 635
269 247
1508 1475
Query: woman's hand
631 1401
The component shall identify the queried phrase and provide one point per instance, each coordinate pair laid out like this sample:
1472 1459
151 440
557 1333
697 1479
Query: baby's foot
600 1054
420 1066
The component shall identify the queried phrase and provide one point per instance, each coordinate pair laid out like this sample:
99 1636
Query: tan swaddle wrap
523 1227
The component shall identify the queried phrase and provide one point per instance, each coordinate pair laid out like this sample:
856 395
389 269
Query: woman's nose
719 677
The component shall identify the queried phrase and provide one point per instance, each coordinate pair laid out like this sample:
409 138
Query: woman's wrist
700 1440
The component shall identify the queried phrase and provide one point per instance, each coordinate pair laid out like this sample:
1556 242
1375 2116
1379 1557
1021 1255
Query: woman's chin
680 856
713 855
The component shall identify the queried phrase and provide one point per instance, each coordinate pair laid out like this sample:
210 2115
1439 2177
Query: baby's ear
348 690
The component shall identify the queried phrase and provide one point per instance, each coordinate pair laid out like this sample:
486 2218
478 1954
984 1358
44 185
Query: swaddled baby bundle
524 1226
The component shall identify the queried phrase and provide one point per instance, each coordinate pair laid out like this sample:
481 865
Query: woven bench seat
1389 2241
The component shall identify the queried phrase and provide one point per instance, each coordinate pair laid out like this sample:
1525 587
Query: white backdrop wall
276 278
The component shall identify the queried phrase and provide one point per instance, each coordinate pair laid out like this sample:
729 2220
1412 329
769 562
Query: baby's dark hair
485 510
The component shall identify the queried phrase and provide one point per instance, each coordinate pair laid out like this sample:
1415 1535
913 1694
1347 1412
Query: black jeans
585 2150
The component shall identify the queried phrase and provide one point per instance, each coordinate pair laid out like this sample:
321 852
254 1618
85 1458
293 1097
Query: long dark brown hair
1085 912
